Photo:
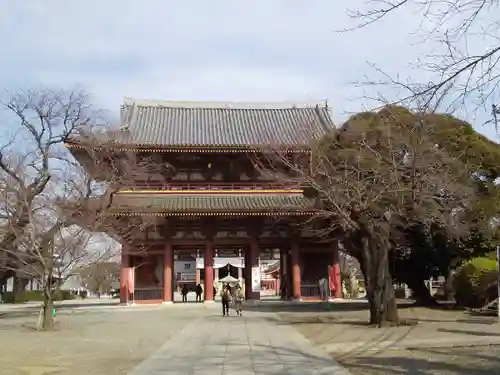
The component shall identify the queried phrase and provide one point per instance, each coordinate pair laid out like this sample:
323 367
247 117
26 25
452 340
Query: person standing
199 291
184 293
323 288
225 299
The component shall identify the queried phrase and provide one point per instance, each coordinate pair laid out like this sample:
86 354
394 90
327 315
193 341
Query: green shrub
475 283
35 295
63 295
492 255
8 297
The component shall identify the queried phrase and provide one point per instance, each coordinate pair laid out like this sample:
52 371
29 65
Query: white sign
187 276
256 279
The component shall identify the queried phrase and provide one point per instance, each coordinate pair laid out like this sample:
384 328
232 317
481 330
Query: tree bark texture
18 287
379 285
46 320
448 285
421 293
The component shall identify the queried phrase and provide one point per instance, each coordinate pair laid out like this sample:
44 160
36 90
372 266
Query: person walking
225 299
238 301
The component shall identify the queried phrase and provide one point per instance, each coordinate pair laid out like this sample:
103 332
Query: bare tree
46 119
100 277
378 174
46 192
463 62
48 252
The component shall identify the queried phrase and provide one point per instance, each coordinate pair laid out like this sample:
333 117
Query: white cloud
218 50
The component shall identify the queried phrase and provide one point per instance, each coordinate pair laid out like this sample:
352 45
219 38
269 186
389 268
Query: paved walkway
248 345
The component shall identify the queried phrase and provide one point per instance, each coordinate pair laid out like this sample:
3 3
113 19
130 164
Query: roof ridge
127 101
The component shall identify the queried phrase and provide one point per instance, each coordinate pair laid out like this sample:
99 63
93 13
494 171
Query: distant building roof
162 123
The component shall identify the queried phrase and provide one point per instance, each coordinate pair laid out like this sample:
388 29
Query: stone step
493 306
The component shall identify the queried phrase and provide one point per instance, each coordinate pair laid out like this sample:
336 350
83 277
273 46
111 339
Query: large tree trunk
18 287
421 293
448 285
379 286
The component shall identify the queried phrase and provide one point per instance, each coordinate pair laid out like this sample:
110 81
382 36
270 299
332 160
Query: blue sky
203 50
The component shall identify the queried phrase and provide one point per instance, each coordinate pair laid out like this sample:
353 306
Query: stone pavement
248 345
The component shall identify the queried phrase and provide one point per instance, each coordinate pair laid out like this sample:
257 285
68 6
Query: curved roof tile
221 124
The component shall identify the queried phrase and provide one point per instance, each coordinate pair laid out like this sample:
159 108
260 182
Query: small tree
99 277
48 252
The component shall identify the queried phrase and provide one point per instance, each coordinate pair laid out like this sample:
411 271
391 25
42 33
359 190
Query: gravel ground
449 361
94 342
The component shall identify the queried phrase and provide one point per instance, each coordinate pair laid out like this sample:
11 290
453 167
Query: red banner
331 277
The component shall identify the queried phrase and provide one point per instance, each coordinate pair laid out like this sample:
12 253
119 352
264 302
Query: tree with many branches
430 251
377 175
46 193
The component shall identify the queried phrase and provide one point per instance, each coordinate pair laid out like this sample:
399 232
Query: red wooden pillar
168 263
337 278
209 271
124 275
295 255
253 263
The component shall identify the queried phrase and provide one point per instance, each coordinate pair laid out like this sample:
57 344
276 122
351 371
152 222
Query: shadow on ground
19 311
464 361
466 332
268 306
347 306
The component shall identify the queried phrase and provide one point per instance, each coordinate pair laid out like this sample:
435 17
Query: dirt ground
437 345
443 361
113 341
86 342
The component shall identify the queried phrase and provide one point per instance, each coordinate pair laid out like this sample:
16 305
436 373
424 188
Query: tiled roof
156 123
144 203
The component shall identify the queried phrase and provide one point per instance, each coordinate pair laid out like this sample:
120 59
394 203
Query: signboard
227 253
256 279
187 276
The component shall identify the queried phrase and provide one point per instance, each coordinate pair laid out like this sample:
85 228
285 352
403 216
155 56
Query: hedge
30 296
476 282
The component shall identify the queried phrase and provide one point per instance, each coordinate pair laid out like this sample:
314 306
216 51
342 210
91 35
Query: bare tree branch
47 194
464 66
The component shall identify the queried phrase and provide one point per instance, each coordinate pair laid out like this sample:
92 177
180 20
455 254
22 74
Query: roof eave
303 212
189 148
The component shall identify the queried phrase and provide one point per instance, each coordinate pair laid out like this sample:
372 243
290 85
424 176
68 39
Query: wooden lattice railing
148 294
139 185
